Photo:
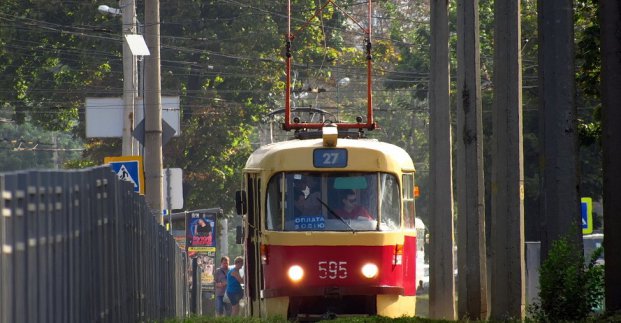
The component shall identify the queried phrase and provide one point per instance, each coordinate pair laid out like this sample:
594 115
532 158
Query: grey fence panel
34 205
59 220
103 241
4 212
19 248
113 250
73 209
41 244
80 205
81 246
89 248
6 258
63 193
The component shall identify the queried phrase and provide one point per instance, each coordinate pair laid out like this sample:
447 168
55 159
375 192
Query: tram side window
274 207
408 201
390 203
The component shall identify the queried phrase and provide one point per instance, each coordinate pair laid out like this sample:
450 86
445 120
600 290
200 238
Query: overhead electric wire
87 28
71 55
193 50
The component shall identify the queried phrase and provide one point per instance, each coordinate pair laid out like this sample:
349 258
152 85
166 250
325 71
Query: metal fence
81 246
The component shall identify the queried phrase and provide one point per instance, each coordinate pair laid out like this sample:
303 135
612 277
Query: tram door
254 272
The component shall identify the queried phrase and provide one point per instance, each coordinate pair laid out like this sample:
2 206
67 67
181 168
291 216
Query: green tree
48 66
225 59
588 67
569 289
29 147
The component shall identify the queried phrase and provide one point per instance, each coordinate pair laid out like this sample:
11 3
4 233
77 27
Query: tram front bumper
331 291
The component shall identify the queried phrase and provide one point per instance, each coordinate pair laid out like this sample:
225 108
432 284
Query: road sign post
586 204
128 168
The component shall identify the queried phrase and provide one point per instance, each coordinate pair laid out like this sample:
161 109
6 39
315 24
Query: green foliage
569 289
225 60
406 121
46 61
588 98
29 147
588 58
80 163
371 319
238 319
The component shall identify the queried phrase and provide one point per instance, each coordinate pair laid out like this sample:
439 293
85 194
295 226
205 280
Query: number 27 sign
330 158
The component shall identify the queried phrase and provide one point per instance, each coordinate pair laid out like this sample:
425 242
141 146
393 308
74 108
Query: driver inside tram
350 207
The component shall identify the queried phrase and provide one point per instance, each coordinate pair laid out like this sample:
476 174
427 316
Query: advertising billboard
201 243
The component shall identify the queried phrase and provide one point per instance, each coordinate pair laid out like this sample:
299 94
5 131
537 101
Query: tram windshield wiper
335 215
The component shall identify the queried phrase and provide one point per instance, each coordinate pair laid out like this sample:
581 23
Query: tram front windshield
312 201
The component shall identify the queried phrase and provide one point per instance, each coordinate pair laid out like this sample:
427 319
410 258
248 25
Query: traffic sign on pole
128 168
587 215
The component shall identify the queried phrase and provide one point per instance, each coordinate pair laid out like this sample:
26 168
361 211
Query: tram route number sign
330 158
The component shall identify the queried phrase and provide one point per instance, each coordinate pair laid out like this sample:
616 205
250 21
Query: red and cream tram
329 219
306 256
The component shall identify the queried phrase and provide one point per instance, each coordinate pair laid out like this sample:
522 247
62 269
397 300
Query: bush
569 290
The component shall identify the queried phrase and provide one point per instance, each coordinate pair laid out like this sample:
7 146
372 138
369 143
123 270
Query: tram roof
266 156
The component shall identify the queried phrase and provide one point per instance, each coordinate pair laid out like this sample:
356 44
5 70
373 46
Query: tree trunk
441 279
472 282
508 289
610 22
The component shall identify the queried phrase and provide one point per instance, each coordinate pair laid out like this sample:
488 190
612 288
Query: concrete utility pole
153 111
441 279
559 195
471 253
130 79
610 23
508 284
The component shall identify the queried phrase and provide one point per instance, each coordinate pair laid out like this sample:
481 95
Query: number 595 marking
332 269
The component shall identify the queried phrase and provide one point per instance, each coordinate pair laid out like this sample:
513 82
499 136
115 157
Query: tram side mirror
241 206
239 235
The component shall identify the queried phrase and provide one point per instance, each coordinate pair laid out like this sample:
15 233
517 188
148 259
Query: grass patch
369 319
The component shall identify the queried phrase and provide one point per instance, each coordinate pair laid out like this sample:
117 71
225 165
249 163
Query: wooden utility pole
610 23
441 279
153 111
508 288
130 79
559 195
471 253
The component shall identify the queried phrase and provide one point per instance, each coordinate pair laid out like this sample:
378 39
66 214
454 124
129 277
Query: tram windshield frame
316 201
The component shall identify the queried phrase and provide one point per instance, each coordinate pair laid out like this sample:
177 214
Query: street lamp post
130 79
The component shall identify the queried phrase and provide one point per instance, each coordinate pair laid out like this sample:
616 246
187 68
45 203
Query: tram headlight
369 270
295 273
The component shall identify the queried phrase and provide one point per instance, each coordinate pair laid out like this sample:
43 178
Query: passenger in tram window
298 203
312 205
351 209
309 187
299 184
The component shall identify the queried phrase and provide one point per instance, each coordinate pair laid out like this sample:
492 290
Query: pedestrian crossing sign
587 215
128 168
